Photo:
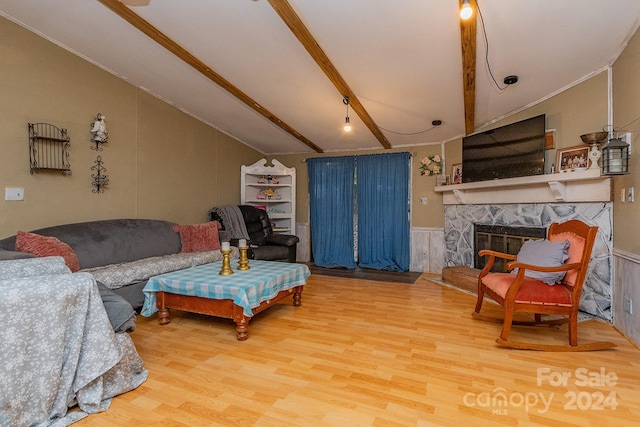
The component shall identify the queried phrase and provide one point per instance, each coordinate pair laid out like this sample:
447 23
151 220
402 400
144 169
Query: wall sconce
99 179
99 132
347 123
466 11
615 157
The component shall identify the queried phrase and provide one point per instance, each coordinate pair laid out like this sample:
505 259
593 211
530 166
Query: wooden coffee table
238 296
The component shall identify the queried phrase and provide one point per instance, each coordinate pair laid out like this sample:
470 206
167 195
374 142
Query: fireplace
536 201
502 238
460 222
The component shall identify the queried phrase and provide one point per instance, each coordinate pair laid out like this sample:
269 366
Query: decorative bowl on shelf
594 137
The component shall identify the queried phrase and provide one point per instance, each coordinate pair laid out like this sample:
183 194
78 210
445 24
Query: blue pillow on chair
544 253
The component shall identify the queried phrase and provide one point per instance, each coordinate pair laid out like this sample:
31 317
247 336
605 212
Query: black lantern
615 157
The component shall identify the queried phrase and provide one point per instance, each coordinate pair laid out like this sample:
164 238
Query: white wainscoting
427 250
625 285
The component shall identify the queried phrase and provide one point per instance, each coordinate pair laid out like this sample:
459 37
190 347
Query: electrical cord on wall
486 55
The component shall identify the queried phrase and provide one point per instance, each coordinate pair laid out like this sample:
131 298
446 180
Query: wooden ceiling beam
302 33
166 42
468 42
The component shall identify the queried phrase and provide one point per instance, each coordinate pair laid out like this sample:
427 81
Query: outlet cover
628 305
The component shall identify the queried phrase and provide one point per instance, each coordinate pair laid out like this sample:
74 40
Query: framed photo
442 180
572 158
456 173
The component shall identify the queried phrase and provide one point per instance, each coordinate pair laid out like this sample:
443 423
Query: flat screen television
505 152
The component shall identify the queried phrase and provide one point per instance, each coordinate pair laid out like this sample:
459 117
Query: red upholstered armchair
548 280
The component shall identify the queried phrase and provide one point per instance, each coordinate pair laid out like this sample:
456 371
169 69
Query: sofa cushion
112 241
43 246
119 311
9 255
199 237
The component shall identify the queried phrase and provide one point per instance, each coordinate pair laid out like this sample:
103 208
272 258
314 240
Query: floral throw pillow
199 237
43 246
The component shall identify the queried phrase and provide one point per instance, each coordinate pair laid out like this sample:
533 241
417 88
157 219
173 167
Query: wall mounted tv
505 152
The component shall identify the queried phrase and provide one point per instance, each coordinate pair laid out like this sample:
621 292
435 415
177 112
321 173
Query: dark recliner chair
264 243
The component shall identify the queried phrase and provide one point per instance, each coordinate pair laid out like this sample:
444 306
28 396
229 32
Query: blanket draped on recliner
233 221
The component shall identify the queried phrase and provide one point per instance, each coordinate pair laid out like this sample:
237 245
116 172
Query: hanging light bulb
347 123
466 11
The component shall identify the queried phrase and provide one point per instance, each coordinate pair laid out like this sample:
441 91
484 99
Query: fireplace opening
502 238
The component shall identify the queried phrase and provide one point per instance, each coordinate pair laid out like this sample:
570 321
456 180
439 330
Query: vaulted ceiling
273 73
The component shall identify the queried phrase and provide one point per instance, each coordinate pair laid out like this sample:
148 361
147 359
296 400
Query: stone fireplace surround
584 195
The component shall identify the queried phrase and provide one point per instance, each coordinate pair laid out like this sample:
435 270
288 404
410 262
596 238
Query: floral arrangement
431 165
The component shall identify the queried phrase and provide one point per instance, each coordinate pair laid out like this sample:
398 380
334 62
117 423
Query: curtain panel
331 195
375 190
383 211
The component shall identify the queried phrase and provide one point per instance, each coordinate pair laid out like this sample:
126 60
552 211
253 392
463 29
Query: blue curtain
331 210
383 211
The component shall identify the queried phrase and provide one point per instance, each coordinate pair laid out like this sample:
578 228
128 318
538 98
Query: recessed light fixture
510 80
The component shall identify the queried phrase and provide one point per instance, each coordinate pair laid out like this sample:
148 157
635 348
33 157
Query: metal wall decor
48 148
100 180
99 132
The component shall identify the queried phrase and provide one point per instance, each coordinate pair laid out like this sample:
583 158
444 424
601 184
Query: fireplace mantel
565 187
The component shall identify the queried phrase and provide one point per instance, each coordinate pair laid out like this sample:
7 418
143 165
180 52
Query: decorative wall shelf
48 148
575 186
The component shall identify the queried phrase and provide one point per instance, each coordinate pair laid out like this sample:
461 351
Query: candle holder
243 262
226 265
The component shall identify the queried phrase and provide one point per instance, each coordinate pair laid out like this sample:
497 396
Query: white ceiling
402 58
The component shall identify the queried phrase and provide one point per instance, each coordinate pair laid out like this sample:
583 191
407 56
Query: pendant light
347 123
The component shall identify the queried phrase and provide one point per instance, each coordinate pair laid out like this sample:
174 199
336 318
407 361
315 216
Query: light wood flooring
368 353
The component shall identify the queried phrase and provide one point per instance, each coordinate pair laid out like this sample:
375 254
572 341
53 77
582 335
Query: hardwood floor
370 353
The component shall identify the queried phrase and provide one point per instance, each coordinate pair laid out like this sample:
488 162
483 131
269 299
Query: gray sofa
123 253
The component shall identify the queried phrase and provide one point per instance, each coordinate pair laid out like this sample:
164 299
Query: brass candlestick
243 262
226 265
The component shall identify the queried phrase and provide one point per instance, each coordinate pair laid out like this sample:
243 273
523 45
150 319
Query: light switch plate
13 193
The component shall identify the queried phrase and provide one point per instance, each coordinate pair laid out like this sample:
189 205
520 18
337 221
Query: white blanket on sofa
116 276
57 347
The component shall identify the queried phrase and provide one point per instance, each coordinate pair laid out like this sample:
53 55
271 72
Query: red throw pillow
43 246
199 237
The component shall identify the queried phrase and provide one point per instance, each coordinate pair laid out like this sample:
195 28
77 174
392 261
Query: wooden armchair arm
523 266
497 254
492 257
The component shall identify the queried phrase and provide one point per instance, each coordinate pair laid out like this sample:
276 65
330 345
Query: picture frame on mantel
572 158
456 173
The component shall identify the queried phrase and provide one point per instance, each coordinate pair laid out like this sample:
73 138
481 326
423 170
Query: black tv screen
505 152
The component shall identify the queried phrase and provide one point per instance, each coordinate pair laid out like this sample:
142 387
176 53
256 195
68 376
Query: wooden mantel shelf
566 187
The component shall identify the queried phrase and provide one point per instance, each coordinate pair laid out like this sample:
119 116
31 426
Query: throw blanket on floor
58 349
233 221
